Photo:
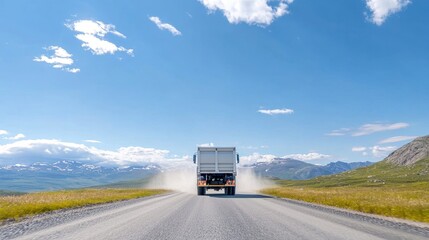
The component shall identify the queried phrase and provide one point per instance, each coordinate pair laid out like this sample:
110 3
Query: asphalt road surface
217 216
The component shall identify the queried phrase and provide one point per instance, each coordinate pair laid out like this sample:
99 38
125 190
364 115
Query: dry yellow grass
406 203
35 203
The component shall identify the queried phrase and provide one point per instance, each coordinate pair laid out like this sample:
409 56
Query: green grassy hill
382 174
397 186
383 188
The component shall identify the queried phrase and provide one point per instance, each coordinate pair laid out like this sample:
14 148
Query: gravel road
214 216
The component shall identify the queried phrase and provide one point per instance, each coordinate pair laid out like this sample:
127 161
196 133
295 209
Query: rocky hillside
410 153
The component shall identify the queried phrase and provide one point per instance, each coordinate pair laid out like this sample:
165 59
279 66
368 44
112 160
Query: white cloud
256 158
92 34
380 152
72 70
91 141
276 111
165 26
206 145
255 147
267 158
307 156
16 137
339 132
397 139
97 28
358 149
60 59
381 9
3 132
258 12
378 127
377 151
30 151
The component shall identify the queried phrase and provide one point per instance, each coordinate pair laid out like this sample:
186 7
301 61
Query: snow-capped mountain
67 174
287 168
75 167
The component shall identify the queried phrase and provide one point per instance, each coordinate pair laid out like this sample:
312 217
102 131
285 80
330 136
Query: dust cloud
249 182
181 180
184 180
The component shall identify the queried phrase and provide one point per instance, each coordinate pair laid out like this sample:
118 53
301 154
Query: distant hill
67 174
287 168
408 166
10 193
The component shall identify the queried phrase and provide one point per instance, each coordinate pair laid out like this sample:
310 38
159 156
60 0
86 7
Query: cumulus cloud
256 12
397 139
381 9
308 156
276 111
49 150
358 149
60 59
165 26
93 33
3 132
256 158
367 129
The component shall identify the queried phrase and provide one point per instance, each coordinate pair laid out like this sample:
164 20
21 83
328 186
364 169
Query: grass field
15 207
384 189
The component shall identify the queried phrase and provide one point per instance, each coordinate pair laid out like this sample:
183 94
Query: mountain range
287 168
67 174
64 174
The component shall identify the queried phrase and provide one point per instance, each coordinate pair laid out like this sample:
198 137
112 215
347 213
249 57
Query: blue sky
318 81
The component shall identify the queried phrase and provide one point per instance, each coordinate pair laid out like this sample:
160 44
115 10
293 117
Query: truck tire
232 191
201 191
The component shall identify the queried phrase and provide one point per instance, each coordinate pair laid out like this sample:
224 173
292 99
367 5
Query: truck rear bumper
217 186
204 184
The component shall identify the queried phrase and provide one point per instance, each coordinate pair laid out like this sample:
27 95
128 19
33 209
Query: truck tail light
202 183
230 183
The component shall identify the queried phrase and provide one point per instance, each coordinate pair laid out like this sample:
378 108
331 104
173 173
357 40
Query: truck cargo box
216 160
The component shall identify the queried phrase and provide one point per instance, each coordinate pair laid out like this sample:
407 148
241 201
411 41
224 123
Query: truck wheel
200 191
232 191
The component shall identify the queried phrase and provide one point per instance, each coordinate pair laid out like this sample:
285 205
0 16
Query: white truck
216 169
